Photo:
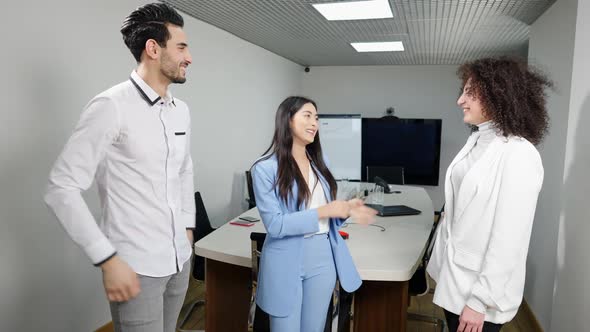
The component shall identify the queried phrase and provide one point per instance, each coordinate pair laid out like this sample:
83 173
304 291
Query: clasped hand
355 209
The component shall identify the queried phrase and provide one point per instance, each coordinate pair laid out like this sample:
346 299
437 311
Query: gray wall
414 91
571 292
234 92
551 49
559 265
60 54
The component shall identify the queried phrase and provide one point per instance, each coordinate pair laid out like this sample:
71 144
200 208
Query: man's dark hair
149 22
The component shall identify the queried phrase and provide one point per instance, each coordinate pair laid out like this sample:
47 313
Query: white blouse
317 199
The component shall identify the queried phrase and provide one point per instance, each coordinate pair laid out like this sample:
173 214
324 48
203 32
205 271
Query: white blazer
479 257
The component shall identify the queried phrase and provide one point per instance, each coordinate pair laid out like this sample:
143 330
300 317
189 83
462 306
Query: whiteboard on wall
340 136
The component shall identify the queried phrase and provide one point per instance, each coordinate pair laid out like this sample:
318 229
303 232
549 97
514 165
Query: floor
420 305
196 321
423 305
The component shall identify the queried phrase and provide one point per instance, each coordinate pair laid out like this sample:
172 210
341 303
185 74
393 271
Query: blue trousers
318 278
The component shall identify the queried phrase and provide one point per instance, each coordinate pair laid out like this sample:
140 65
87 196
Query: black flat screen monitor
413 144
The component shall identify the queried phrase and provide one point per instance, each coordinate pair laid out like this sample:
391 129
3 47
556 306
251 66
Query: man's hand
470 320
189 234
120 281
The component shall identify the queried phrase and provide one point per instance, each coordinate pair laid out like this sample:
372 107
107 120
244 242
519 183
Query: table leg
381 306
227 296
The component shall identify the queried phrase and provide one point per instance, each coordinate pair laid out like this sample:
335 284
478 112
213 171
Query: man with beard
134 141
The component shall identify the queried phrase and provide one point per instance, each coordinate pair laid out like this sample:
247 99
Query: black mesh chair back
202 229
391 174
251 199
418 284
258 319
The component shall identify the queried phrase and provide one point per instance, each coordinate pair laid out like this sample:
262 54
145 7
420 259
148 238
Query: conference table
386 255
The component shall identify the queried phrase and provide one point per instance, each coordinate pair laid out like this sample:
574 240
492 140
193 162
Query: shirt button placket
169 135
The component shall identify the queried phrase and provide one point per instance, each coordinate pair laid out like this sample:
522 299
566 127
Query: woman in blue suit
303 252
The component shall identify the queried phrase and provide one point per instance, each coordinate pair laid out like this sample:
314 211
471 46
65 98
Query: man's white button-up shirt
136 146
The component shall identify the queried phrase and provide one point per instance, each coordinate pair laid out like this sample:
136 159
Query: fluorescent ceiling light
395 46
355 10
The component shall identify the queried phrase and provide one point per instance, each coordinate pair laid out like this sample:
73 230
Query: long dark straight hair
281 146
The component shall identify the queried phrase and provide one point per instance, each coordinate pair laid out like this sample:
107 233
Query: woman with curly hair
491 190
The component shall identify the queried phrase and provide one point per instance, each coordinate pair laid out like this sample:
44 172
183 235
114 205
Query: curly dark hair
149 22
512 94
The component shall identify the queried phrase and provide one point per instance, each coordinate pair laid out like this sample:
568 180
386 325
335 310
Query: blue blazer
286 225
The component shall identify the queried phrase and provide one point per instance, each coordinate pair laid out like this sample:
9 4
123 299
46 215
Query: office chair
202 229
391 174
343 301
259 321
251 199
418 284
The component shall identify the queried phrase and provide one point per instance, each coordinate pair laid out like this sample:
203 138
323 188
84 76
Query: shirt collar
147 93
485 125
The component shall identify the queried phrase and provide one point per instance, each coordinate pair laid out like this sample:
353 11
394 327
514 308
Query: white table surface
390 255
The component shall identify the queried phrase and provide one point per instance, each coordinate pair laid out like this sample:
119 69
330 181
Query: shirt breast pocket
180 145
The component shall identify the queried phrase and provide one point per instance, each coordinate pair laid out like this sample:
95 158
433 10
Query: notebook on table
393 210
